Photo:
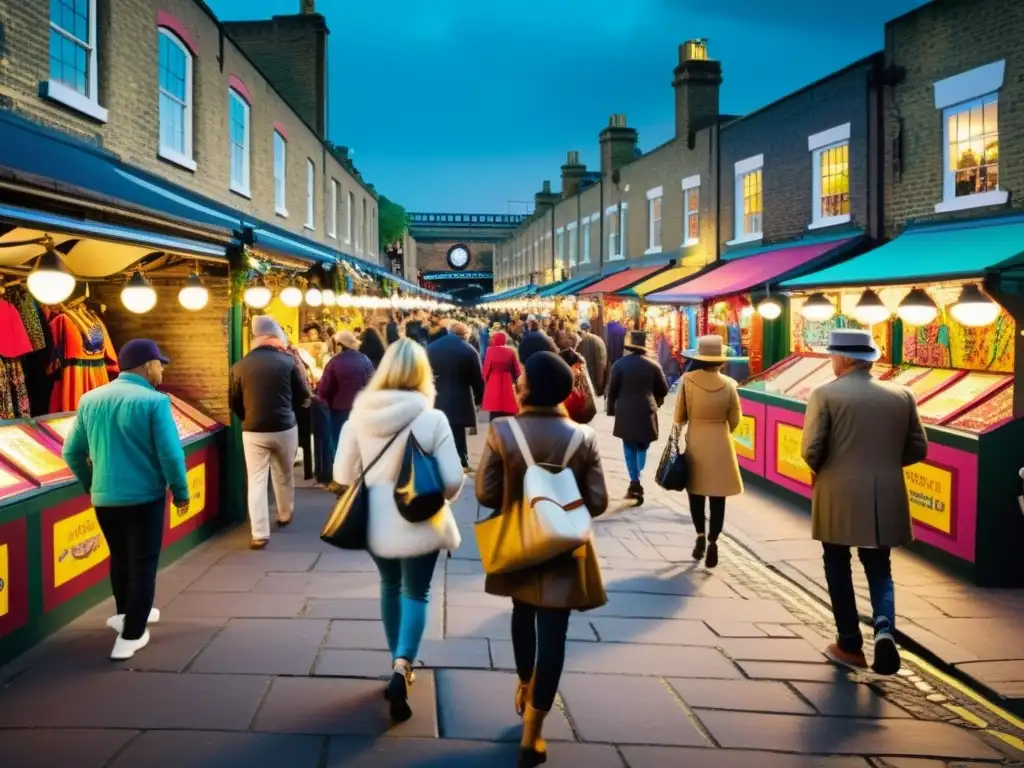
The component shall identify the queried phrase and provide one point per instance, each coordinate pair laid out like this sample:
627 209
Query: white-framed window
74 80
560 248
749 203
364 242
175 87
332 210
238 109
691 210
350 211
830 176
654 197
310 222
611 223
585 256
970 132
280 174
573 229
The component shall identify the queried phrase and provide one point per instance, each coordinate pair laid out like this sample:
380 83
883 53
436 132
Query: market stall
953 347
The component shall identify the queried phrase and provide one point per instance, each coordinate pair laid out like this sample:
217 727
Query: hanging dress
14 342
84 356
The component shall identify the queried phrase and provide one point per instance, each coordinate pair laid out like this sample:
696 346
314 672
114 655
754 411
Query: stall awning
624 279
739 275
929 252
568 287
659 281
511 293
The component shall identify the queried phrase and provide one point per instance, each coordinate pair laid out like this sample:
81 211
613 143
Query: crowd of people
426 377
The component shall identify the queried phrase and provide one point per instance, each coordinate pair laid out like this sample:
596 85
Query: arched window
176 97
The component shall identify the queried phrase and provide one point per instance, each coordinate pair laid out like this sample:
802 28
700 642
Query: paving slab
776 630
40 748
453 753
843 736
464 567
211 749
655 631
643 606
342 609
344 707
264 646
227 578
988 639
627 710
783 670
496 623
848 700
456 653
674 581
375 665
345 561
234 605
995 672
741 695
268 560
735 628
357 635
348 584
662 757
770 649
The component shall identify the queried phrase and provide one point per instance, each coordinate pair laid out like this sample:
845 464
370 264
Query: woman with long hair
542 596
372 345
397 404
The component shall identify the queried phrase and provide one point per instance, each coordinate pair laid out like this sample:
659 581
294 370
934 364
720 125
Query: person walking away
580 405
615 338
859 434
398 403
124 449
483 336
636 390
460 384
535 340
437 328
594 352
501 372
266 388
344 376
372 345
542 596
709 406
414 327
393 332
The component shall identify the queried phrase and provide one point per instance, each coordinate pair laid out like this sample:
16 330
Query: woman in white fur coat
400 399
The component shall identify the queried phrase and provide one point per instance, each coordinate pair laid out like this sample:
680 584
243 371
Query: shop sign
788 461
196 496
745 438
930 491
78 546
5 577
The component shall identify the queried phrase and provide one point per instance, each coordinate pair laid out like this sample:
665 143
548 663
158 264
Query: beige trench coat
708 401
859 433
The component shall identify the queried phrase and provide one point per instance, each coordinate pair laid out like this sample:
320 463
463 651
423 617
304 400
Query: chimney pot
617 121
572 157
618 144
697 82
307 6
546 186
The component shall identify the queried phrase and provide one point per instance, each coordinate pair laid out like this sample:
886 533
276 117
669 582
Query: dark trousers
324 443
134 535
839 575
717 513
459 435
499 415
538 643
303 418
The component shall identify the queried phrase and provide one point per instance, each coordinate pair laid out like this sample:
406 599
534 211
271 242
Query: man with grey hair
266 388
859 433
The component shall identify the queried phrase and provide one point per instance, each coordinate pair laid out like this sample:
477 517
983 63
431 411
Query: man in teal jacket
125 451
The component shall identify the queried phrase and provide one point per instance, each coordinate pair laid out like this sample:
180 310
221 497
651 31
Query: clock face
458 257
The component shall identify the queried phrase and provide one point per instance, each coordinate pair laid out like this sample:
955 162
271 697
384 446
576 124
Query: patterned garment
29 310
14 403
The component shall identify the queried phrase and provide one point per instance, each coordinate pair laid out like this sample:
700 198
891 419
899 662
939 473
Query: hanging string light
138 295
917 308
314 296
50 282
974 309
291 295
869 309
257 295
817 308
330 299
193 296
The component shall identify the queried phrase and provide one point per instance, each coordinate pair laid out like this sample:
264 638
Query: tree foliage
392 222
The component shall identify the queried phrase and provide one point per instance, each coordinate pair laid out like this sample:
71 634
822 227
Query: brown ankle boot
533 750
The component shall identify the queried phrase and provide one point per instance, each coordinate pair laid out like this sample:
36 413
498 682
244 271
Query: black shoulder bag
419 490
673 474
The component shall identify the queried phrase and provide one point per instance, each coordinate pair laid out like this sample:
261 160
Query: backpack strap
574 443
520 438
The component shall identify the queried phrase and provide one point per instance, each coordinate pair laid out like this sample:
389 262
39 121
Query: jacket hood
709 381
385 412
499 339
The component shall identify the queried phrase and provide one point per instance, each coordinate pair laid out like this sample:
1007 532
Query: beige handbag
551 521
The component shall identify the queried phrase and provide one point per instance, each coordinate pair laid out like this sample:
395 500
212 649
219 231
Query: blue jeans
636 459
324 442
838 574
338 419
404 594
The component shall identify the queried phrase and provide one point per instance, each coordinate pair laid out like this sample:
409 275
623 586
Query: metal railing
486 220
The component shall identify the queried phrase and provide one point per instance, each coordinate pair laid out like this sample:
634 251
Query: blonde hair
405 366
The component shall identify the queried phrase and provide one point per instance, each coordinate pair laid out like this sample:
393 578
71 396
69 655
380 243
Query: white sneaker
116 623
125 649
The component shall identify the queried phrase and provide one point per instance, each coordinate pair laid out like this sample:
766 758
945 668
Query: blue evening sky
468 105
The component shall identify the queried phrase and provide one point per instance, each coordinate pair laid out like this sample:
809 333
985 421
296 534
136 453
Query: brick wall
780 132
433 257
127 46
940 40
195 342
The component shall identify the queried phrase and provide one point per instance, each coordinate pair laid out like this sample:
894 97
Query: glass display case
32 453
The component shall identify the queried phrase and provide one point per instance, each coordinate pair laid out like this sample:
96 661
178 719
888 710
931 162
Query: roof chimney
307 6
697 81
572 174
618 144
545 198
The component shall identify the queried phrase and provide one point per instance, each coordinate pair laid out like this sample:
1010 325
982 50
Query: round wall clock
458 257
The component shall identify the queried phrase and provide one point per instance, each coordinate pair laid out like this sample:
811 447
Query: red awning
620 280
743 274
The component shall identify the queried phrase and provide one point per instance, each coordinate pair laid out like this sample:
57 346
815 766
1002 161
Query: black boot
712 559
639 494
699 547
633 490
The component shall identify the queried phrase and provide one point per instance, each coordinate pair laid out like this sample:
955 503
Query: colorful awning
568 287
741 274
511 293
929 252
657 282
624 279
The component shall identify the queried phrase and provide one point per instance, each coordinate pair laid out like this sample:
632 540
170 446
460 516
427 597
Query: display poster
196 496
61 426
28 454
78 546
5 580
745 438
8 479
788 461
185 426
930 491
960 394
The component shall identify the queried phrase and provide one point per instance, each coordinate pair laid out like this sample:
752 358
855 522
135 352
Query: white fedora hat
853 343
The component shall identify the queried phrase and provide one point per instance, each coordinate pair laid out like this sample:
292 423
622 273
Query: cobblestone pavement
276 657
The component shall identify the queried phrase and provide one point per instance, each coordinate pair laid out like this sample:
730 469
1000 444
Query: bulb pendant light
330 299
193 296
870 310
291 296
817 308
770 308
974 309
257 295
50 282
138 295
917 308
314 296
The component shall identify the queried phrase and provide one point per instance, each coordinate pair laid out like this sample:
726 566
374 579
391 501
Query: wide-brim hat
636 340
347 339
709 349
853 343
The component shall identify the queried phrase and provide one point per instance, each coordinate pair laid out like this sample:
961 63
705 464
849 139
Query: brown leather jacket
569 581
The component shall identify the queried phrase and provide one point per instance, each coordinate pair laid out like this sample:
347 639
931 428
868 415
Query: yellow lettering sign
5 581
788 461
196 496
930 492
745 438
78 546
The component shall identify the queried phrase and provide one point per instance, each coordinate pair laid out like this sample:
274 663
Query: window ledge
51 89
332 235
831 221
282 212
746 239
980 200
309 227
238 190
616 257
689 243
653 249
177 159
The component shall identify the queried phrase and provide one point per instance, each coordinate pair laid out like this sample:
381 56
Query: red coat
501 369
